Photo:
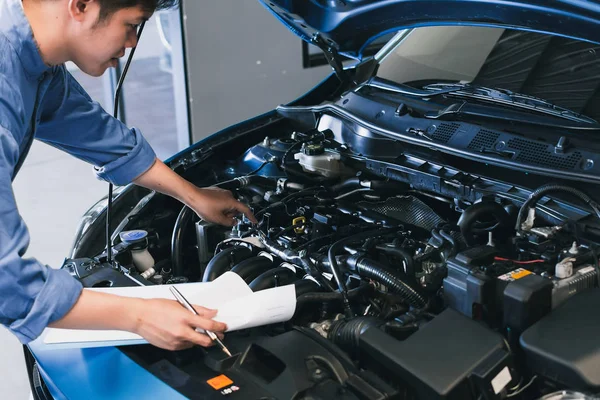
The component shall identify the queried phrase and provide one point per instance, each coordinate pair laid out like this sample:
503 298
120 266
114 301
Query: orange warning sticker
219 382
514 275
520 274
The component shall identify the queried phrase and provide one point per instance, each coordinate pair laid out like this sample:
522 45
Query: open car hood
350 25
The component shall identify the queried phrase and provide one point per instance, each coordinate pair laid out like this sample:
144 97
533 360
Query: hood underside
350 25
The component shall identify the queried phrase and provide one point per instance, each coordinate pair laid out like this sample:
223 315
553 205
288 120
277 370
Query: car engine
413 280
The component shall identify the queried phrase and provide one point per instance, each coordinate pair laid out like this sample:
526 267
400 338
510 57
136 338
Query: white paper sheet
237 306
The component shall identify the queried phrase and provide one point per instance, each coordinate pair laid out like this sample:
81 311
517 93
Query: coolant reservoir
313 158
138 240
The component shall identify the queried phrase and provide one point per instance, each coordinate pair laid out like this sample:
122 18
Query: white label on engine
501 380
585 270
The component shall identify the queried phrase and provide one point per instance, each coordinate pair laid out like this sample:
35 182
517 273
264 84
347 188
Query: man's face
96 45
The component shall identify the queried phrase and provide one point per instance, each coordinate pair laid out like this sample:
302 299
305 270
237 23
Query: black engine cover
298 364
564 346
445 358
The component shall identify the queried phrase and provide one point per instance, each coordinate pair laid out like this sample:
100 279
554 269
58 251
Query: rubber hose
279 276
304 286
409 262
388 186
252 267
348 184
244 181
537 194
333 262
223 262
436 235
396 329
378 272
346 334
330 296
294 186
474 213
257 190
182 223
450 240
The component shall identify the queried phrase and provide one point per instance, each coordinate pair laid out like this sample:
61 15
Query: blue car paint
97 373
350 26
108 373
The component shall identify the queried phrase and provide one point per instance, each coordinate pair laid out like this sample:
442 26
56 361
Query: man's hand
162 322
166 324
218 206
212 204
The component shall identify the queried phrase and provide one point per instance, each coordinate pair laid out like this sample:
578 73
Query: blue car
434 202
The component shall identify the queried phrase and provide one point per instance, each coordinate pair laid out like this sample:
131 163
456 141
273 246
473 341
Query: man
39 98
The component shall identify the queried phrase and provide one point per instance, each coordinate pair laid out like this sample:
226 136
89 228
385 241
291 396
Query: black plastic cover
94 274
299 364
439 359
565 345
467 290
526 300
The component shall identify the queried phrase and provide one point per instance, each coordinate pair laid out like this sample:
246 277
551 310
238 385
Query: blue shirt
46 103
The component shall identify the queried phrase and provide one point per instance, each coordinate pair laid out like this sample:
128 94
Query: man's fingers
183 346
226 220
207 324
244 209
199 339
205 312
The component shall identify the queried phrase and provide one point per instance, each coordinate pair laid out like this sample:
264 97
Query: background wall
241 62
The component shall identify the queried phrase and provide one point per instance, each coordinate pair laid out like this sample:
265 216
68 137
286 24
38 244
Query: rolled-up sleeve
72 122
32 295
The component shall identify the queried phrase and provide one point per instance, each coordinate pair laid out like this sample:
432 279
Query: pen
183 301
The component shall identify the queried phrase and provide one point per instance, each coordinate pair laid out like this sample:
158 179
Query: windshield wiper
496 96
465 109
508 98
384 84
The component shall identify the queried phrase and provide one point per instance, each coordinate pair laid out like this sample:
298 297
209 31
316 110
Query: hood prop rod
109 255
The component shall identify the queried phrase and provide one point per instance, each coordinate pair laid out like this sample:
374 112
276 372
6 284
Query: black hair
109 7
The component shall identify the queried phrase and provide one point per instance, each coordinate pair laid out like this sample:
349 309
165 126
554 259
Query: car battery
500 295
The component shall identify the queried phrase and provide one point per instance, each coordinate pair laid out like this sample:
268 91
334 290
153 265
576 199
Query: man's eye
134 26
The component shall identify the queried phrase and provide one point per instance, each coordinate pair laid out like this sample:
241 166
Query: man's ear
79 10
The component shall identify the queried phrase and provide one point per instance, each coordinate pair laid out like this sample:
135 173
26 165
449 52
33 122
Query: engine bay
413 280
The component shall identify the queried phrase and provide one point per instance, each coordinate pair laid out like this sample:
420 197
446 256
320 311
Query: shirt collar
15 26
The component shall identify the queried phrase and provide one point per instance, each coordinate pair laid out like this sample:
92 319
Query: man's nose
131 40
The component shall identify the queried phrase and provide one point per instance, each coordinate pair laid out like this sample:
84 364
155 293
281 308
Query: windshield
563 71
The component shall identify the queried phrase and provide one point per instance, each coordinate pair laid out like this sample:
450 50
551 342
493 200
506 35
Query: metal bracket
561 145
332 56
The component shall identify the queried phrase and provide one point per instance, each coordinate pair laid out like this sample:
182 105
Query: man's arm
72 122
34 295
164 323
213 204
31 294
